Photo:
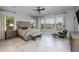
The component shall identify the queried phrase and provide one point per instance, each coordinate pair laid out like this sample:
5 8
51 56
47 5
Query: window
53 23
9 23
59 23
33 24
42 23
50 23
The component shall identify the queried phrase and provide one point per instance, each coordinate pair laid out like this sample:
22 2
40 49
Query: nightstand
10 34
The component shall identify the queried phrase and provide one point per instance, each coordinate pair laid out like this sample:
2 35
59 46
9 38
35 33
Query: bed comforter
27 33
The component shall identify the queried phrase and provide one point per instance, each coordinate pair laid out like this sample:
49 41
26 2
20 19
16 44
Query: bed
28 34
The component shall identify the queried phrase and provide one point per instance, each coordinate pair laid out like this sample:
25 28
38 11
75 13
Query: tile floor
45 44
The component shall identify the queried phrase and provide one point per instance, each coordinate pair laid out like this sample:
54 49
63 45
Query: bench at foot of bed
34 37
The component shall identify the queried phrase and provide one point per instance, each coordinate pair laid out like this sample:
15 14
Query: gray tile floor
45 44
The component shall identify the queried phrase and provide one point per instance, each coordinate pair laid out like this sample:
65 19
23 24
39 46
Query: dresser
74 40
10 34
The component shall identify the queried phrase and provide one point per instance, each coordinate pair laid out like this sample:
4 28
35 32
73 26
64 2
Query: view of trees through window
42 23
50 23
54 23
59 23
9 23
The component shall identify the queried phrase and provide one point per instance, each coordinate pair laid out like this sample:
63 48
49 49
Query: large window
52 23
42 23
33 24
59 23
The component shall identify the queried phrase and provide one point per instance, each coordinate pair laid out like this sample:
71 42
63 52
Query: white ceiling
28 10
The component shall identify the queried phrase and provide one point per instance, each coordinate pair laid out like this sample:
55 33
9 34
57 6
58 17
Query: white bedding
28 32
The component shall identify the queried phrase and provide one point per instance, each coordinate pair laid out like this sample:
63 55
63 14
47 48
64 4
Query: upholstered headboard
23 24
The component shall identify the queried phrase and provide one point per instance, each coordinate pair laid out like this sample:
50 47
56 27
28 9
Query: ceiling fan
39 9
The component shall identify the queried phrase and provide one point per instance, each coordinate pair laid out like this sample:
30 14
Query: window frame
55 21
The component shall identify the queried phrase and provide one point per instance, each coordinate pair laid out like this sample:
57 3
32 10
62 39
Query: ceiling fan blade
42 9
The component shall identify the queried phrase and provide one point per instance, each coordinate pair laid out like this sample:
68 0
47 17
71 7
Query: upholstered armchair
62 34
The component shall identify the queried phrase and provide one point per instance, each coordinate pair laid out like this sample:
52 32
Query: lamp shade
11 24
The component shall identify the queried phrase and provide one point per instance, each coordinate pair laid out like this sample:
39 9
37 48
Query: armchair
62 34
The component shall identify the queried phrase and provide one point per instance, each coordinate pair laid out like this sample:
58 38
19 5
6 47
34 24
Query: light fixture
11 24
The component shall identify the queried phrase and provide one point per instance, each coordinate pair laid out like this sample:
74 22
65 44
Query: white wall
70 20
2 27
